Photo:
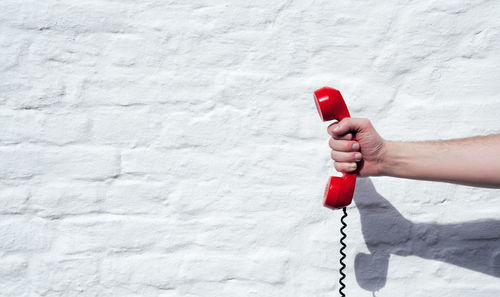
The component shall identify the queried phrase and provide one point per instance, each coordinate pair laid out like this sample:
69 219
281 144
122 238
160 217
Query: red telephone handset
331 106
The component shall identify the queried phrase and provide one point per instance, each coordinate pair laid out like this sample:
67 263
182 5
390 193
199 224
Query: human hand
362 156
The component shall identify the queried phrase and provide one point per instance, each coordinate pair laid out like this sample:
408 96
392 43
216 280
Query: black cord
343 255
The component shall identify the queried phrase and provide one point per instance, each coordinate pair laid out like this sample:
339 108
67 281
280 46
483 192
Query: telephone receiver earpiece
331 106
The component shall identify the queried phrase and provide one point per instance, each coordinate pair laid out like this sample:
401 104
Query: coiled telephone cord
343 255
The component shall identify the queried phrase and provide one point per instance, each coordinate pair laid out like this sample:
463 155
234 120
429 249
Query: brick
13 200
65 276
132 197
71 162
33 126
13 273
159 271
125 126
21 234
110 234
56 200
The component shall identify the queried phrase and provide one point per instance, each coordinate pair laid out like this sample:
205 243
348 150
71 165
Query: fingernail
336 128
353 166
355 146
357 157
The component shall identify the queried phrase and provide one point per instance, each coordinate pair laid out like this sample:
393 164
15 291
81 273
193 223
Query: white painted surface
172 148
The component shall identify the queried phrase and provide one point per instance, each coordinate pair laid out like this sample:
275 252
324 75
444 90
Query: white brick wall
172 148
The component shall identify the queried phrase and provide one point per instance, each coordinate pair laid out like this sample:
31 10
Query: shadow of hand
472 245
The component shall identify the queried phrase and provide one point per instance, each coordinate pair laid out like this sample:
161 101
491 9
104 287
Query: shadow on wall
473 245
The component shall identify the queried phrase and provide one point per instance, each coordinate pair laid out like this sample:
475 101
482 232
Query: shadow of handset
472 245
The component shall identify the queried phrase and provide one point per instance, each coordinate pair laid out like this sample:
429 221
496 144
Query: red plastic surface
331 106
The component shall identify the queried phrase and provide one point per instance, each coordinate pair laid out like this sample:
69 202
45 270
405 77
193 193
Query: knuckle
351 157
348 146
348 136
330 128
334 144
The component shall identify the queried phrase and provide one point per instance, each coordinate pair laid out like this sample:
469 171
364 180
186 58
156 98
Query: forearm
470 161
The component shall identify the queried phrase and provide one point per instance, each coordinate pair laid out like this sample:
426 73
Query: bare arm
471 161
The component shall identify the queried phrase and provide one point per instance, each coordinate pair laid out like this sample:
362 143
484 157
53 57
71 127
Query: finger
345 166
345 157
330 128
343 145
347 125
348 136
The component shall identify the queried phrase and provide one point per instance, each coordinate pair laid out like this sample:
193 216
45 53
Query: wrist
386 158
400 159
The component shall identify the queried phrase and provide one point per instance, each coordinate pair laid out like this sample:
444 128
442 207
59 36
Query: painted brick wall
172 148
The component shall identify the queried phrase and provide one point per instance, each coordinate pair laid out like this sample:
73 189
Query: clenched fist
364 155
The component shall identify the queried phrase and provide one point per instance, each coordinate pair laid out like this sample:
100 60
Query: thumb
345 126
